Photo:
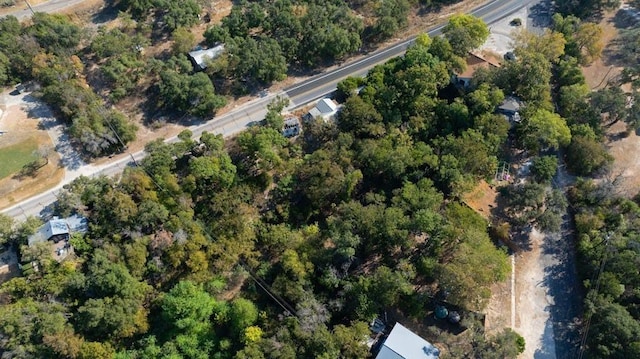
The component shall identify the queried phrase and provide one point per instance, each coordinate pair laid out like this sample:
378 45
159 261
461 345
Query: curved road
238 119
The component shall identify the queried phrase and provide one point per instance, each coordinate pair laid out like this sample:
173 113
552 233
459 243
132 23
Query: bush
586 155
544 168
516 22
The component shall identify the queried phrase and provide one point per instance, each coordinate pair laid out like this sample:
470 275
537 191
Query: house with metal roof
57 233
200 57
405 344
326 108
55 230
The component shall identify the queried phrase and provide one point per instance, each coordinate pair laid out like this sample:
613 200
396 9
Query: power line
585 334
281 302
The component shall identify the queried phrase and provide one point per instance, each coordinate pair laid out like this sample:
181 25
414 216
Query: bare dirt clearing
625 171
606 68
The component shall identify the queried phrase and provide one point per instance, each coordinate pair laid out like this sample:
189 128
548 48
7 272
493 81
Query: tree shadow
105 14
611 54
564 290
540 15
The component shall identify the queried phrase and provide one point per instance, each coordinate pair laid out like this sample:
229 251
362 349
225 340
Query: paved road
238 119
22 11
323 84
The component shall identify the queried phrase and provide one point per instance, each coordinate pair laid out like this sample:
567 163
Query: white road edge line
513 291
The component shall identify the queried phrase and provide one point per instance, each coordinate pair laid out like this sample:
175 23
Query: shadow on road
564 292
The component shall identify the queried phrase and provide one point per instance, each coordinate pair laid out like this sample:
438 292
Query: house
200 57
510 108
57 232
291 127
474 62
405 344
326 108
54 230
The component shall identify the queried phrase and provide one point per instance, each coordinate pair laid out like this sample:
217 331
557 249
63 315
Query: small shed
199 58
405 344
326 108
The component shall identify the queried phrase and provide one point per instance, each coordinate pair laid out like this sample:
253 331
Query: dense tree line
607 246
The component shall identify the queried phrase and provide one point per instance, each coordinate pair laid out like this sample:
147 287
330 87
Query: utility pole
30 8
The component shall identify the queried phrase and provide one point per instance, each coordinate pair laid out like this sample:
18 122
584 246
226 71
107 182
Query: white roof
200 57
326 106
405 344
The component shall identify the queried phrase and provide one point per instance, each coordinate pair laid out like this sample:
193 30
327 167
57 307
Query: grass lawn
14 157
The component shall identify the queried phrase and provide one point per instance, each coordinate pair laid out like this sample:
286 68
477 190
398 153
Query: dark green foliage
259 60
586 8
193 94
55 33
392 16
181 13
544 168
586 155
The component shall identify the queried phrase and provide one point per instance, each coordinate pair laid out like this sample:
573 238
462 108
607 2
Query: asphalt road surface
252 112
22 11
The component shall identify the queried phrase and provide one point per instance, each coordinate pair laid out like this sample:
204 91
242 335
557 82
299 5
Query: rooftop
53 227
474 62
200 57
405 344
325 108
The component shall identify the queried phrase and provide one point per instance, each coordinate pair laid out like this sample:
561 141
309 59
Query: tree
614 332
274 118
242 313
465 32
544 168
392 16
188 307
213 171
550 44
4 69
259 60
529 77
588 8
216 34
181 13
55 32
610 102
360 118
329 32
193 94
544 129
589 42
586 155
183 40
6 228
